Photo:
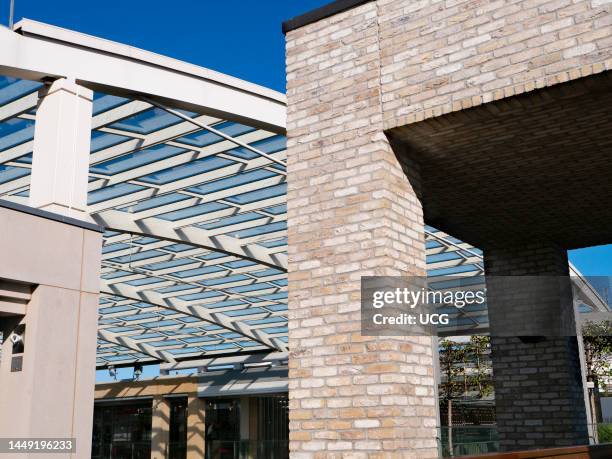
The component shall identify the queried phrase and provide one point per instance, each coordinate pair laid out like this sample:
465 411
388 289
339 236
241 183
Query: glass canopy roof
165 298
194 256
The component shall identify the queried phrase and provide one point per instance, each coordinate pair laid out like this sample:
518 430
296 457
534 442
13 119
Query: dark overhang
321 13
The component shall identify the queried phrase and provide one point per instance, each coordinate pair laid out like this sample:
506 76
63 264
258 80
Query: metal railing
247 449
121 449
467 440
471 440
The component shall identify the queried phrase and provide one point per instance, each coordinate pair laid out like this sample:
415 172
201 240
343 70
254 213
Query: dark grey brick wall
538 385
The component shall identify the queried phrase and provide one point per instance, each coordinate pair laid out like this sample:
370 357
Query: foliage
604 432
456 358
451 358
597 339
481 378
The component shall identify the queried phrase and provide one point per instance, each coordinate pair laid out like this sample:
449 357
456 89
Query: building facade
210 223
478 118
223 414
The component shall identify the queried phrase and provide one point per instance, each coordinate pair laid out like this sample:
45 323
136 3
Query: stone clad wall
351 213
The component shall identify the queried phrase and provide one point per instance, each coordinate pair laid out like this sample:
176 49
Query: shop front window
222 428
273 426
122 431
177 448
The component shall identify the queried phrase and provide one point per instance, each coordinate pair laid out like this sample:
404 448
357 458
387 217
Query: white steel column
61 149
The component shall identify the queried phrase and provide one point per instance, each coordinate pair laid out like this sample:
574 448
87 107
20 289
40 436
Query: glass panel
136 159
105 102
204 138
193 211
8 173
264 229
148 121
277 210
157 201
240 218
271 145
26 159
177 447
113 191
122 431
264 193
235 180
222 428
198 271
14 132
199 166
101 140
137 256
12 89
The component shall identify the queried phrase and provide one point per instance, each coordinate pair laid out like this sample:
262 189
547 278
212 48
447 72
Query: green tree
480 379
452 355
597 338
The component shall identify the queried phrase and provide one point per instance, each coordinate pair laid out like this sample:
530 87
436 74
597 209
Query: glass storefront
235 428
273 427
222 429
177 447
122 431
267 426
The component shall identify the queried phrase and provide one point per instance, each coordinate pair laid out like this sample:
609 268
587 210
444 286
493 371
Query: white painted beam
125 222
156 299
248 359
42 51
133 345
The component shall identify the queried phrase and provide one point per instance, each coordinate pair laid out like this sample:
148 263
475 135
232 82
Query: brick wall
539 398
351 212
439 56
538 405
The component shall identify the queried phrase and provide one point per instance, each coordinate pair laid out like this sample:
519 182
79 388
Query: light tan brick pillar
351 212
196 427
160 427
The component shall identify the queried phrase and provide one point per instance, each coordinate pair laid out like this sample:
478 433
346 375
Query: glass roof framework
194 258
213 281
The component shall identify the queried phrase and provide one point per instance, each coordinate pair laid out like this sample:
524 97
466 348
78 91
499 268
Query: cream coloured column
61 149
196 427
50 393
47 387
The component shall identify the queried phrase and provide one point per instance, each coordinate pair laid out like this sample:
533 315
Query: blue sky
593 261
242 38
